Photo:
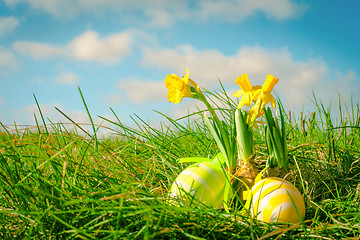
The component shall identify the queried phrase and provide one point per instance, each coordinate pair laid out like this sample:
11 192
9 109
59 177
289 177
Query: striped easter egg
276 200
205 182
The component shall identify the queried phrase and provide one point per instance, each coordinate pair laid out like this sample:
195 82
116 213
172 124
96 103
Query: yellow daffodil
179 87
246 90
262 97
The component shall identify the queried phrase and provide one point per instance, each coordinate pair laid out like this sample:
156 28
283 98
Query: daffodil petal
239 93
178 98
273 101
241 104
186 77
173 96
168 81
247 98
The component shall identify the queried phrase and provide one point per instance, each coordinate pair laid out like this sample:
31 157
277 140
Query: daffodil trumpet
178 88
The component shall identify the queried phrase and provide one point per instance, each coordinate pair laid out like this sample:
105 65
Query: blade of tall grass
42 117
90 118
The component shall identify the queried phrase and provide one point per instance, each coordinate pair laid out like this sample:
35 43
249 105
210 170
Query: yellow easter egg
276 200
205 182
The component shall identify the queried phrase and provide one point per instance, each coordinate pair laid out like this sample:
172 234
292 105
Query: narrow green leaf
243 136
271 159
219 159
278 147
90 118
217 138
42 116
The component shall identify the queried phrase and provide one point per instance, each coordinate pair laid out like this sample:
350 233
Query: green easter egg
204 182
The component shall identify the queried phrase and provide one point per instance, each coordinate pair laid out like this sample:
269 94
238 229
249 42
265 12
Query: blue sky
119 53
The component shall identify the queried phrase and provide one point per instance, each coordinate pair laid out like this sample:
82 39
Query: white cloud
7 24
142 91
7 60
86 47
89 47
206 64
297 78
67 78
163 13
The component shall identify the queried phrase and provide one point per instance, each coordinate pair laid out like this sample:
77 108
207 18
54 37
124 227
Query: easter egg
276 200
204 182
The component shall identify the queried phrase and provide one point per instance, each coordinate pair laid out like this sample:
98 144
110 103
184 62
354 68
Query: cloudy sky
119 53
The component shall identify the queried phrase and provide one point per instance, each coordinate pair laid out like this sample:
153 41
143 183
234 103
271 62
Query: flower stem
223 134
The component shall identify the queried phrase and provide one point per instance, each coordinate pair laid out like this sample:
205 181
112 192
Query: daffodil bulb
276 200
202 182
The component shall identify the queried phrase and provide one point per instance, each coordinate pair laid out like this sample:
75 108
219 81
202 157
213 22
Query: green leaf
219 159
228 191
227 196
276 139
243 136
217 138
41 114
271 158
278 148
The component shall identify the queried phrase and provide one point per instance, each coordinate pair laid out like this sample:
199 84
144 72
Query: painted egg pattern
204 181
276 200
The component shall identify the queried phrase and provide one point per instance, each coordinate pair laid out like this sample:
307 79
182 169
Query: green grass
62 184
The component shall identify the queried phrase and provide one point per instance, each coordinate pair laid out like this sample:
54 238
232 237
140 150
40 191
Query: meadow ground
57 183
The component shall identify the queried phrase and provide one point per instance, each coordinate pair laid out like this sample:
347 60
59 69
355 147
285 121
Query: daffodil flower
179 87
247 90
263 95
260 95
